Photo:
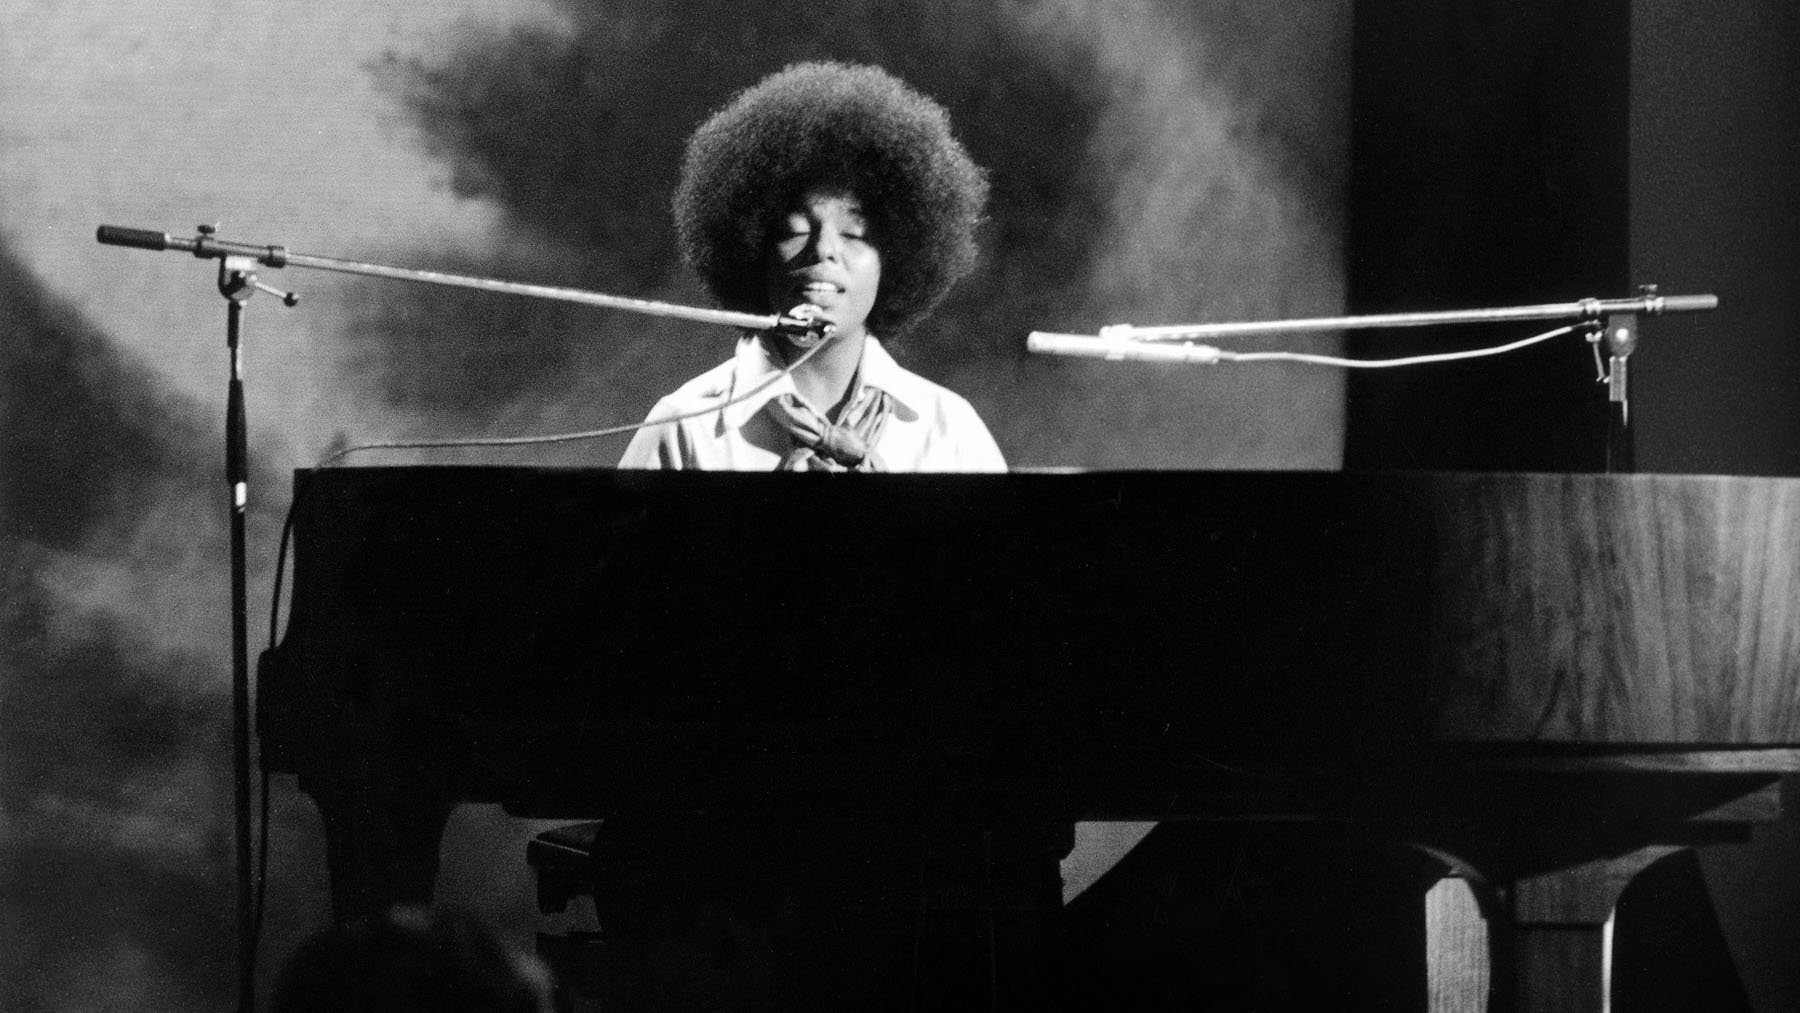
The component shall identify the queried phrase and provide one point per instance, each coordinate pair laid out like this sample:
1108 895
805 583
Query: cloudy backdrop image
1152 162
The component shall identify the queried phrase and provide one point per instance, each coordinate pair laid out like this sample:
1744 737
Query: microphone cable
287 530
573 437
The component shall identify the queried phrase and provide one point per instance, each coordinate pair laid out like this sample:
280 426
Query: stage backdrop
1153 162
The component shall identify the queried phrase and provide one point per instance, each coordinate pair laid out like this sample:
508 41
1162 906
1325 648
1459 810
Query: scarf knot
821 445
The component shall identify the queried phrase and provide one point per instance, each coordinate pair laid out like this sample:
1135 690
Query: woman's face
821 253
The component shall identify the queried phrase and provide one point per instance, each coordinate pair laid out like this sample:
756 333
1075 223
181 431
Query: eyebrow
852 209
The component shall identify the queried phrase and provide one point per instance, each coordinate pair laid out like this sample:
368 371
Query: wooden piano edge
1576 759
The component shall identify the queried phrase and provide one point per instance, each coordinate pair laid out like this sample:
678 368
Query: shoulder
671 444
927 397
954 405
976 449
703 391
955 437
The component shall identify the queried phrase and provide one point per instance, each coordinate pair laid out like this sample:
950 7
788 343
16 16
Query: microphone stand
237 283
1609 321
205 246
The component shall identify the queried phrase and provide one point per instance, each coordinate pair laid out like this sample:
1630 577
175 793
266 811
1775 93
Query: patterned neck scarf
849 445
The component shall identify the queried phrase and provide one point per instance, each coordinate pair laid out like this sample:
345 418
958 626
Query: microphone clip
1619 333
804 326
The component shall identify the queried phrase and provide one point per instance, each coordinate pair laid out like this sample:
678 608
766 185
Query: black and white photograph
629 505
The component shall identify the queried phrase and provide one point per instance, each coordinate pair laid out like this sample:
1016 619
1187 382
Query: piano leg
381 840
1561 932
1456 945
1548 943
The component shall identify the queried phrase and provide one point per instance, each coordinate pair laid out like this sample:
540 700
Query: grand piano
1546 680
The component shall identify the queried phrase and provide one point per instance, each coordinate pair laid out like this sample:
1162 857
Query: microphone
804 326
1120 349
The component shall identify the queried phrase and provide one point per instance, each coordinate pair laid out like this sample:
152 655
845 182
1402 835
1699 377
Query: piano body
1548 680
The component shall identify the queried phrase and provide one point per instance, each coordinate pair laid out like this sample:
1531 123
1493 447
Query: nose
828 244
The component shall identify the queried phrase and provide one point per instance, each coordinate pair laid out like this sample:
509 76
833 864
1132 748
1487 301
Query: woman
835 191
841 190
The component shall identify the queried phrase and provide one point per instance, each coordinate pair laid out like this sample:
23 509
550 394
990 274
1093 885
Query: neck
824 380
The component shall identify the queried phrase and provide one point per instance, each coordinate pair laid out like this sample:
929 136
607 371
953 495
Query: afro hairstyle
831 124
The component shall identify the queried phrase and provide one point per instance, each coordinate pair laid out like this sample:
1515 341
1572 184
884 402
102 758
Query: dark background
1518 153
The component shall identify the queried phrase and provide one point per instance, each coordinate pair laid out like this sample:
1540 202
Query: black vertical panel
1489 167
1715 105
